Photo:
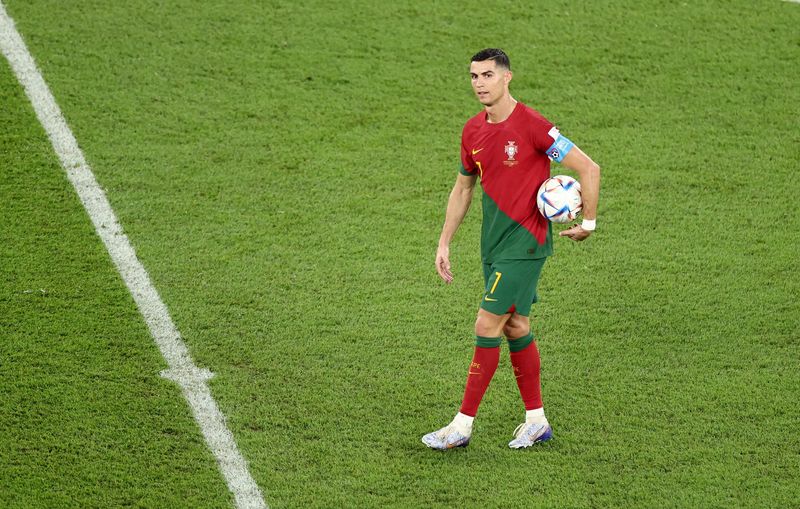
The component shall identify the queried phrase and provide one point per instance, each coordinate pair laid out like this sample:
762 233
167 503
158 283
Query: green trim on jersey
464 171
502 238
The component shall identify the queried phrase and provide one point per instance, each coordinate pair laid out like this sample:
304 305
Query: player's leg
486 356
525 358
526 362
496 308
516 326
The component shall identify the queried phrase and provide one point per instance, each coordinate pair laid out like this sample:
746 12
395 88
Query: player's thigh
511 286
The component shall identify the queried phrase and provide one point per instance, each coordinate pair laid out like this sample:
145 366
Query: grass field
282 170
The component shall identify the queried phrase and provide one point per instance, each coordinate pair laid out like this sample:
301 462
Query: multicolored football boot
447 438
530 433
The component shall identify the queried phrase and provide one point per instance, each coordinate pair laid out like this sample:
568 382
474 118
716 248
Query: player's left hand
576 233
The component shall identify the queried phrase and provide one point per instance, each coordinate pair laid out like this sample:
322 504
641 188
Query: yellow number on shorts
499 275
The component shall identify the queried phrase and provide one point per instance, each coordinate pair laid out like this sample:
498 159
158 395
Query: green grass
85 419
282 171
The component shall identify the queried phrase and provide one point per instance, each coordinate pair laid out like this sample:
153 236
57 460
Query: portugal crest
511 150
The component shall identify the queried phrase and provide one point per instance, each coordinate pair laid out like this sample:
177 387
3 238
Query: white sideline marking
182 370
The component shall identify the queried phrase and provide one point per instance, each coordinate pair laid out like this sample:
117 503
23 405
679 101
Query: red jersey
510 158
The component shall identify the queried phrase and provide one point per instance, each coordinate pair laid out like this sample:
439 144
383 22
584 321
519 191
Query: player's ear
507 77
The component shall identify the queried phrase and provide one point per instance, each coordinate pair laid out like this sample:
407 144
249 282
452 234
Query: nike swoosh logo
487 299
476 151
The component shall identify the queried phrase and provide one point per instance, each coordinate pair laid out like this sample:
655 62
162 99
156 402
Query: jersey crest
511 150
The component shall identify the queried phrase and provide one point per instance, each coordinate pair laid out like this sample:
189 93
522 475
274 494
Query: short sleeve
544 133
467 163
465 171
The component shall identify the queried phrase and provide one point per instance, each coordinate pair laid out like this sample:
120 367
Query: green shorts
511 285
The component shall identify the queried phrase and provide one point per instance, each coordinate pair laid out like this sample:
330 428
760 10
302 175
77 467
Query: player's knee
487 328
516 327
516 330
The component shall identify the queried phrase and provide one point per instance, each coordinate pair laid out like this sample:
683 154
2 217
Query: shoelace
443 433
449 429
523 429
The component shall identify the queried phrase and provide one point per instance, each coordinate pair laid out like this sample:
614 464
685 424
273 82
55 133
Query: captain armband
559 149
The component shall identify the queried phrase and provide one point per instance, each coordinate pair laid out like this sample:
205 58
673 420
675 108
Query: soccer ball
559 199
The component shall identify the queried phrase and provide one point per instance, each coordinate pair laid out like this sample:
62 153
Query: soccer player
508 146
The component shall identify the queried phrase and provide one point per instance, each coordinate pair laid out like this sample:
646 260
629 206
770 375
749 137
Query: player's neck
501 110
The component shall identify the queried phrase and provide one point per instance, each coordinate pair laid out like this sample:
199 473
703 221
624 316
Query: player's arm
457 207
589 176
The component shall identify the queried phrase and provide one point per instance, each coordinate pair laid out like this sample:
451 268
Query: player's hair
499 56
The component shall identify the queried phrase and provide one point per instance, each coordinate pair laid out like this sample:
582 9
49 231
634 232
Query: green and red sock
526 363
481 370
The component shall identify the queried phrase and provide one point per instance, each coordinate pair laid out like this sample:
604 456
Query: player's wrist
589 224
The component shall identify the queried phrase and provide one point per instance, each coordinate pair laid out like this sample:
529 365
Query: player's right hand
576 233
443 264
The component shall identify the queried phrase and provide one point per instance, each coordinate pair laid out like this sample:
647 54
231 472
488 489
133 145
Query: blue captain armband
559 149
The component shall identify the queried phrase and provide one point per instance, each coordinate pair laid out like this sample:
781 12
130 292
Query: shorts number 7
499 275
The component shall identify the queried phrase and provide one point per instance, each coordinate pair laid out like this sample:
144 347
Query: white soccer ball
559 199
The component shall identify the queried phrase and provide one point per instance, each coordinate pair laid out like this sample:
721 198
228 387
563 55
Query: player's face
489 81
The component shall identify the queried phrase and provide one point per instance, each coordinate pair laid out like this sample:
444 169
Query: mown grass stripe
182 369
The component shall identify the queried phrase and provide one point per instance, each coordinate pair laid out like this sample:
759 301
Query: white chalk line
182 369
